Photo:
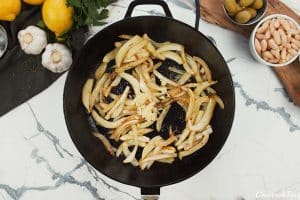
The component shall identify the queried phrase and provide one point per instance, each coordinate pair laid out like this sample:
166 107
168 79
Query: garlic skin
57 58
32 40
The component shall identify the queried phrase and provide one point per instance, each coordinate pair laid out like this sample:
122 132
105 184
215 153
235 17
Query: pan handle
164 5
135 3
150 193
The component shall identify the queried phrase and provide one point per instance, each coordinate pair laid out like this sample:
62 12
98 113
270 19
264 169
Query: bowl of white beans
275 41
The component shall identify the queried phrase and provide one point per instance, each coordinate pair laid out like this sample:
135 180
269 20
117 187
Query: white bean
295 42
292 32
272 26
285 24
260 36
272 44
294 46
264 45
288 57
277 23
267 55
276 36
263 28
257 46
283 54
282 61
275 53
289 38
282 37
274 61
281 31
292 51
267 34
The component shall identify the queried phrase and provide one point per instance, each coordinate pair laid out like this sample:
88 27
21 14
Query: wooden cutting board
212 12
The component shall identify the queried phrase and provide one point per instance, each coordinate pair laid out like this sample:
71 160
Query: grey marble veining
48 166
263 105
67 178
60 179
230 60
55 141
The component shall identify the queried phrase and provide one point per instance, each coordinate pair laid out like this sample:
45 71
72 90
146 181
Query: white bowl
252 47
3 41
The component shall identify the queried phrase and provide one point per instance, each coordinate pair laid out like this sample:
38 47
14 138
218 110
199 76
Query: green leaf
103 3
88 12
92 11
103 14
98 23
75 3
88 21
86 3
41 24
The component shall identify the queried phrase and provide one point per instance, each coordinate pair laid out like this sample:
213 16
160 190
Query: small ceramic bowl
3 41
252 46
260 14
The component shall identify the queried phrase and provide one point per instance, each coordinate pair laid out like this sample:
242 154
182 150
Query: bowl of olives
245 12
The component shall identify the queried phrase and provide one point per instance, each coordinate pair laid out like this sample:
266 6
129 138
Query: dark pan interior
160 29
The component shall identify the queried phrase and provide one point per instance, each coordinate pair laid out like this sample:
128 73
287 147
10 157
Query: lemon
34 2
9 9
57 16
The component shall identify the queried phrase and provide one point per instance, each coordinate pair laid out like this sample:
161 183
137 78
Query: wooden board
212 12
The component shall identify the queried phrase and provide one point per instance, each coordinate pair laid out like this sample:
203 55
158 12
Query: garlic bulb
32 40
57 58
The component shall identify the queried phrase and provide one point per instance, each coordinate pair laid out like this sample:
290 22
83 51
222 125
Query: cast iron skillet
160 29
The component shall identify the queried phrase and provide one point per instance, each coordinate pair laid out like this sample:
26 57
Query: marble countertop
260 158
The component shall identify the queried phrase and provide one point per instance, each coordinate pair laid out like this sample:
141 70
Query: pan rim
214 154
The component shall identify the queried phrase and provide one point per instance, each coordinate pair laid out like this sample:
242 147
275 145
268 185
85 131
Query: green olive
246 3
258 4
231 6
231 14
239 8
252 11
243 16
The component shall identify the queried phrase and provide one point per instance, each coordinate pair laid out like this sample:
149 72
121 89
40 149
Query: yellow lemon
57 16
34 2
9 9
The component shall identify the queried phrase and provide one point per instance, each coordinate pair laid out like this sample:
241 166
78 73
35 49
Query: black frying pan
160 29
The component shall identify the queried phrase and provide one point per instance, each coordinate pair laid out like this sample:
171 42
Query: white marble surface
261 156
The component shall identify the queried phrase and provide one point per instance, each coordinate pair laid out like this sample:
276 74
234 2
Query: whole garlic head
32 40
57 58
